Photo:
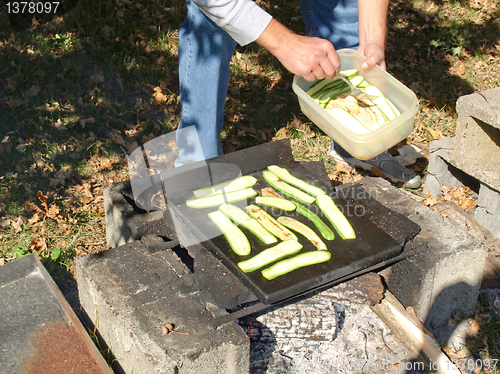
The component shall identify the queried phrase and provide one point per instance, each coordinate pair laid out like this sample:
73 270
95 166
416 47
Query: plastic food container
363 146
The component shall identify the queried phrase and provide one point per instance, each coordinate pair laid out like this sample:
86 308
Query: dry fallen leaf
33 207
430 201
60 125
14 103
436 134
36 217
43 200
282 132
17 224
97 77
342 169
33 91
4 223
473 326
158 96
61 177
6 145
377 172
463 196
38 244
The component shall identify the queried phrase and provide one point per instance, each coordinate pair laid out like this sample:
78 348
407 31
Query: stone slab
438 170
442 280
131 292
477 143
488 209
40 332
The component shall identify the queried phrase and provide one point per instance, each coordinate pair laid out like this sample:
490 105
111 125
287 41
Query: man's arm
308 57
372 31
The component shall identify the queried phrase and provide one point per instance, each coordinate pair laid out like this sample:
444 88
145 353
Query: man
213 28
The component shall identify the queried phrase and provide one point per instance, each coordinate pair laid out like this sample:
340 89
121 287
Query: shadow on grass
91 74
424 45
86 77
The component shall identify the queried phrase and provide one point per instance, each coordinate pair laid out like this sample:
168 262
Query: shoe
388 165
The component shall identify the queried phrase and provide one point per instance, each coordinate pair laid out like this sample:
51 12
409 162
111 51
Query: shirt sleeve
244 20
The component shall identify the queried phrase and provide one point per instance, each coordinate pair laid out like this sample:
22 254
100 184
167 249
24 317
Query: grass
81 91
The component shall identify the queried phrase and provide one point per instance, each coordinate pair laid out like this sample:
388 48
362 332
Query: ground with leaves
81 90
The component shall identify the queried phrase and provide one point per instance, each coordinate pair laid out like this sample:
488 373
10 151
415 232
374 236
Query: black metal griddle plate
371 246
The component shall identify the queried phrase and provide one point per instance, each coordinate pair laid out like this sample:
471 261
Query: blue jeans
205 52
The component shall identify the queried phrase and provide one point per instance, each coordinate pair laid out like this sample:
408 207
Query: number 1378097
31 7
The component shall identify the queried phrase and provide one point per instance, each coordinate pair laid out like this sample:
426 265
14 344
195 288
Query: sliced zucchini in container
381 102
357 80
349 73
325 231
235 237
210 201
286 176
324 99
320 86
336 217
275 202
240 217
283 249
286 188
299 227
296 262
240 183
363 84
270 223
348 120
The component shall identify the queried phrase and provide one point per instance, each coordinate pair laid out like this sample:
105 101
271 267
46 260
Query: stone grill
147 280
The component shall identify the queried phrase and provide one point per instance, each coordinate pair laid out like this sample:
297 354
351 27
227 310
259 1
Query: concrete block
441 280
488 209
439 173
125 222
131 292
40 332
477 144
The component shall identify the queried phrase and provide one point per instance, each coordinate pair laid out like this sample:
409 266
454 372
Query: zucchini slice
291 264
268 191
275 202
283 249
336 217
299 227
381 102
270 223
321 86
240 183
348 120
325 231
210 201
285 176
236 238
357 80
240 217
326 97
349 73
287 189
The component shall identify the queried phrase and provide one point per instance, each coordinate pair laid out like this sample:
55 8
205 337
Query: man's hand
374 54
311 58
372 30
